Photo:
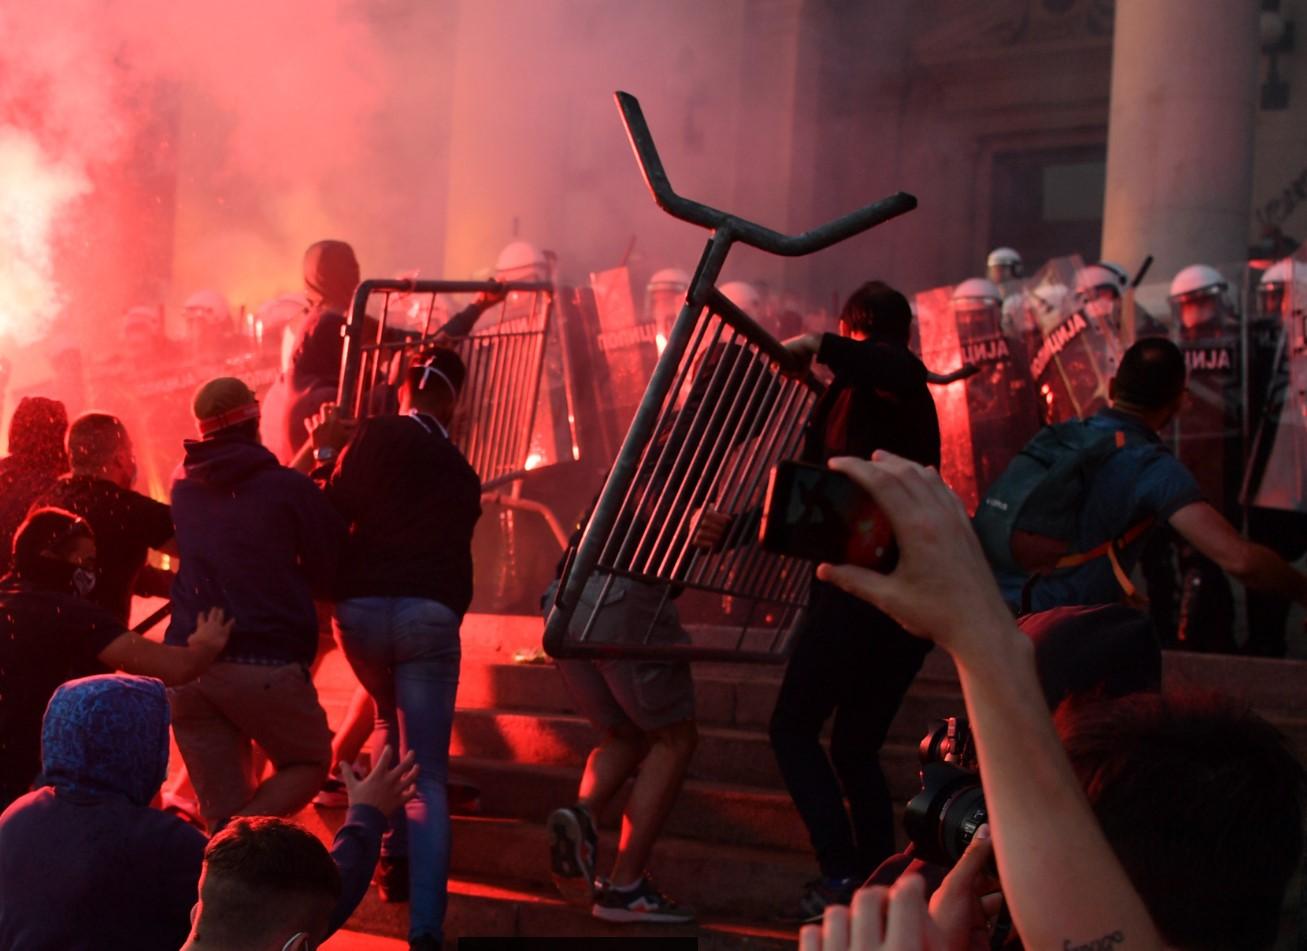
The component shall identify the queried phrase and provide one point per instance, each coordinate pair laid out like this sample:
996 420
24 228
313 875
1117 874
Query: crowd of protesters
1127 816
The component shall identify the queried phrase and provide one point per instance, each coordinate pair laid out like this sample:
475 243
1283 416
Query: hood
315 360
107 735
331 272
224 462
37 430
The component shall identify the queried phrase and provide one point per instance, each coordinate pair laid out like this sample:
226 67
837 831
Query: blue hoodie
257 540
87 865
84 862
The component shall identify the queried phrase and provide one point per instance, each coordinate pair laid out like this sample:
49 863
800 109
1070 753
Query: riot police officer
1274 491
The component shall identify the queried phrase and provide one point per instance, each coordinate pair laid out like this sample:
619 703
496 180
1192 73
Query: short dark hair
262 875
93 438
1151 374
879 311
1200 799
46 529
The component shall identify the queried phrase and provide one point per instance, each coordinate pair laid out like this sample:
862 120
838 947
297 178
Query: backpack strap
1112 547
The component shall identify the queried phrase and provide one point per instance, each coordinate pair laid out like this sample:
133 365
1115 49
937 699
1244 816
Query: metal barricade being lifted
505 414
725 403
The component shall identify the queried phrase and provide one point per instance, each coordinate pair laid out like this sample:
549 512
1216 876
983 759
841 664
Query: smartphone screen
814 513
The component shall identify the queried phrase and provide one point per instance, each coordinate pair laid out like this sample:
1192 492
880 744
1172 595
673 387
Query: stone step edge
689 848
502 891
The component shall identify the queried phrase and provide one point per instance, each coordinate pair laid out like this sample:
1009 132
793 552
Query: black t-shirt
126 525
411 501
46 638
878 400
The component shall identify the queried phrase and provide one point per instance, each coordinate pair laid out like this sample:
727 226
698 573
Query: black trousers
852 661
1285 533
1189 596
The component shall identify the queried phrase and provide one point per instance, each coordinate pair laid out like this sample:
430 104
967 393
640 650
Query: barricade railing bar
725 403
503 350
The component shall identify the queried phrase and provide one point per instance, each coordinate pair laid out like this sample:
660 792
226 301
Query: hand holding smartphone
820 515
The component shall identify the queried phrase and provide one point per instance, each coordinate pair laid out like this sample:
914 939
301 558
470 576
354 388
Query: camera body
942 819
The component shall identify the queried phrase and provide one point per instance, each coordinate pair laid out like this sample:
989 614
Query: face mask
83 581
55 574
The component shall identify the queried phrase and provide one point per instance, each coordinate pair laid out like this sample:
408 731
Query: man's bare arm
1064 885
1249 563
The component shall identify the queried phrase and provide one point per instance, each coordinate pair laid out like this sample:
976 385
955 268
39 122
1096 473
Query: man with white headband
412 501
260 542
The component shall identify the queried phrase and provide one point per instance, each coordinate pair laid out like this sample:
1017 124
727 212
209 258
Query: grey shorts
648 695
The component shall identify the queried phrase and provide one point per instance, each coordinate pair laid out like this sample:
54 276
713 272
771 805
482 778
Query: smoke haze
149 149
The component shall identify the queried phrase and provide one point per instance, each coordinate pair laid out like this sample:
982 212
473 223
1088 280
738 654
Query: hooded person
331 272
260 541
36 459
85 863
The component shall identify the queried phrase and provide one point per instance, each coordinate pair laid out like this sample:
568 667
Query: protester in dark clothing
412 502
850 659
36 458
85 863
127 525
260 541
331 273
50 634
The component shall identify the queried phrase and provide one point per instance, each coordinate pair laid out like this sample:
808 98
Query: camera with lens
942 819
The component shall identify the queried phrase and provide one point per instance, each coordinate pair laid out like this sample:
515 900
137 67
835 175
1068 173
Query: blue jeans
406 652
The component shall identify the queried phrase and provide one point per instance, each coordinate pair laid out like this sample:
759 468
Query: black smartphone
817 514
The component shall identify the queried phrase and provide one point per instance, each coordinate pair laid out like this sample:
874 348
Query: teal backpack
1027 520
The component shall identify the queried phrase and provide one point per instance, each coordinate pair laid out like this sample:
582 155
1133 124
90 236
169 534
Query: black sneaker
392 879
644 902
426 942
573 847
819 894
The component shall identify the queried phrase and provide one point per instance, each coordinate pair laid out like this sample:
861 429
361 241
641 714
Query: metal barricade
723 405
393 322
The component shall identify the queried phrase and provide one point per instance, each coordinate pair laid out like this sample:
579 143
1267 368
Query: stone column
1180 139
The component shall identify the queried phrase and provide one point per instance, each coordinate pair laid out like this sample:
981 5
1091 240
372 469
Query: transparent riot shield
1074 341
627 344
984 418
1201 312
1277 470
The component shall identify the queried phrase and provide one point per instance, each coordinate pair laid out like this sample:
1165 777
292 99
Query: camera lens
942 819
960 818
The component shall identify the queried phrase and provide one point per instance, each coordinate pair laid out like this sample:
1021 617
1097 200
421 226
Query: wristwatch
324 454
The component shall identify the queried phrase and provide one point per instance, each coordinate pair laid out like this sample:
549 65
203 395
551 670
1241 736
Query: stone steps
706 875
733 847
511 909
725 754
710 812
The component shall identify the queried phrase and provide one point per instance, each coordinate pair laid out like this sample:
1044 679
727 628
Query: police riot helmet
1274 281
977 293
744 296
1097 278
1003 264
521 261
1198 293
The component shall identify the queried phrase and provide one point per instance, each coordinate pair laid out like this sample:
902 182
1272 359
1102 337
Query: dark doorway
1048 203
